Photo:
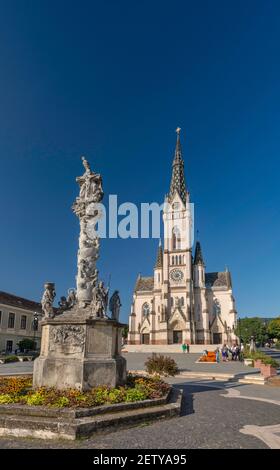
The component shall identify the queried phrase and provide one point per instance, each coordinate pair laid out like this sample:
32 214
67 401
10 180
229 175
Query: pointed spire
198 258
159 260
178 178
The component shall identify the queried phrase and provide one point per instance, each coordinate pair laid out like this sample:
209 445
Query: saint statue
115 305
48 299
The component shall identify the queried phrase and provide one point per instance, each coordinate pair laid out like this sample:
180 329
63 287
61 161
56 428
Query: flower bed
19 390
211 357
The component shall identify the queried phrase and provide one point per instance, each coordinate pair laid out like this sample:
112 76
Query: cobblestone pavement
136 361
210 419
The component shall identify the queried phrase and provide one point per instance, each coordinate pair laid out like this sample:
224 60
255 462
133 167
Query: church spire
178 178
159 261
198 258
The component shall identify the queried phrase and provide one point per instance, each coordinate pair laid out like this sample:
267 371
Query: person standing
188 348
184 347
217 355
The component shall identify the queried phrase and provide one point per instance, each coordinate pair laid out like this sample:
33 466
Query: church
181 302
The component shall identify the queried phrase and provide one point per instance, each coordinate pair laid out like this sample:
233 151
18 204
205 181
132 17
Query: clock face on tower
176 275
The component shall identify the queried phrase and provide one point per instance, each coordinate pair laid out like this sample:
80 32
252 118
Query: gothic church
181 302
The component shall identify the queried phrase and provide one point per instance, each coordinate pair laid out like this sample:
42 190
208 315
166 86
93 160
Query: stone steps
168 348
257 379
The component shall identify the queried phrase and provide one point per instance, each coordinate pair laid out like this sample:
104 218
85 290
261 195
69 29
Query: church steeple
178 178
159 261
198 258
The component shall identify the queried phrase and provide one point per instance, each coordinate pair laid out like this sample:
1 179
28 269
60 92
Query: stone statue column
87 209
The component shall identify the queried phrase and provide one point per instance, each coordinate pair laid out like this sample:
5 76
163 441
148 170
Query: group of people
230 353
185 347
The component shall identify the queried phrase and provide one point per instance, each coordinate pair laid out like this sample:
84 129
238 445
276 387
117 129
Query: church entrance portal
145 338
177 337
217 338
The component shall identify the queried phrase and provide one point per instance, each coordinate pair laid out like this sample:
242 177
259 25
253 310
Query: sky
112 80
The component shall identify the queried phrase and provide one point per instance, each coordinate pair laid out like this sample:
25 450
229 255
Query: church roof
159 260
144 283
198 258
218 279
178 177
14 301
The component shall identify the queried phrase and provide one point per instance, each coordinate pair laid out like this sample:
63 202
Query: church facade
181 302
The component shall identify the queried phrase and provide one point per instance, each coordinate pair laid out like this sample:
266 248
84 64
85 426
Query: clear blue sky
112 80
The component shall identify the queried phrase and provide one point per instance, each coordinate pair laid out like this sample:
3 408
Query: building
181 302
17 317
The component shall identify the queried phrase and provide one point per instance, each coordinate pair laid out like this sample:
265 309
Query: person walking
184 347
217 355
188 348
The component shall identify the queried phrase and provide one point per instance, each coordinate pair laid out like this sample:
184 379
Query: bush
277 345
27 344
269 361
162 365
11 359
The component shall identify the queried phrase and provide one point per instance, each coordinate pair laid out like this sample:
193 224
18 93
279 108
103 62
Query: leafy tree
274 328
125 332
26 344
248 327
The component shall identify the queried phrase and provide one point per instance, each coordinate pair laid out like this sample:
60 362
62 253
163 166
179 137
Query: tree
125 332
248 327
274 328
26 343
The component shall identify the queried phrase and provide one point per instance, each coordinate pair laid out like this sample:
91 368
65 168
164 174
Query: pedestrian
217 355
188 348
184 347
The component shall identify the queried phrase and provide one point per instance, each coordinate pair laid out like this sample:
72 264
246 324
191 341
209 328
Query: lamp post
35 325
239 330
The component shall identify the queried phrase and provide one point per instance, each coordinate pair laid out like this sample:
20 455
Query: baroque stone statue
48 299
115 305
87 208
100 301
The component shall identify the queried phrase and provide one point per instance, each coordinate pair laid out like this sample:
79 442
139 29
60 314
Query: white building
17 317
181 302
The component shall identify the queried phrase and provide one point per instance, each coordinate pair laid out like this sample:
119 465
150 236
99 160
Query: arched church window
171 301
172 259
158 277
180 259
182 302
176 260
146 309
176 239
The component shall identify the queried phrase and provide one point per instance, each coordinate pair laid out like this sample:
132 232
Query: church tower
177 256
181 302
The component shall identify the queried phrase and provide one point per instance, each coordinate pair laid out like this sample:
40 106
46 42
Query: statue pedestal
79 352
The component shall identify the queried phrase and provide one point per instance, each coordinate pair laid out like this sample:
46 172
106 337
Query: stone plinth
79 352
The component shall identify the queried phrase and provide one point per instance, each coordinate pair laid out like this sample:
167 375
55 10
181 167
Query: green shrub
61 402
35 399
161 365
6 399
11 359
135 394
270 361
277 345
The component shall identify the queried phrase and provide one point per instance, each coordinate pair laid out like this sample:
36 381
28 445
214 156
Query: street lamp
35 325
